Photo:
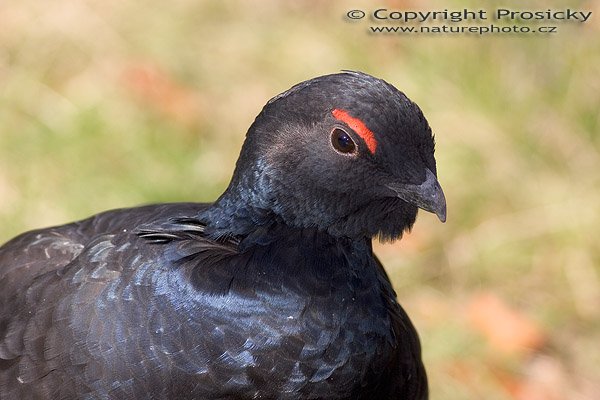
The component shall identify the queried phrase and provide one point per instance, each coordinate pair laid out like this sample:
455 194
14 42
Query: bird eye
342 142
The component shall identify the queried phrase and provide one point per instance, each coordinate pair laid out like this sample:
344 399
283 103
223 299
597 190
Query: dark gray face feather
346 153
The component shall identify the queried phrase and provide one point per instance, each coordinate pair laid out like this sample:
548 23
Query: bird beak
427 196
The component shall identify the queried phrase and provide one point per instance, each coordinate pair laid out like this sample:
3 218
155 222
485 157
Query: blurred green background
107 104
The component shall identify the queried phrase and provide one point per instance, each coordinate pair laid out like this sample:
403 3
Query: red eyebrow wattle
357 126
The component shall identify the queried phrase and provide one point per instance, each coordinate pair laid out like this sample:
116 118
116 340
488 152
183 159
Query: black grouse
271 292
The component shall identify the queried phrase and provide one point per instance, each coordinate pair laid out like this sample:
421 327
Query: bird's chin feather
391 233
386 218
390 237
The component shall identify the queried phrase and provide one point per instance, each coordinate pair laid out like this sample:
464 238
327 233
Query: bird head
345 153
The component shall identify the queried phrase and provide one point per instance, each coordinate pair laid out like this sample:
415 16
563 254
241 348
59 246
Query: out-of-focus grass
111 104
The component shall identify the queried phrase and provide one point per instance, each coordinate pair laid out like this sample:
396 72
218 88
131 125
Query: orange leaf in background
159 90
509 381
543 378
505 328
